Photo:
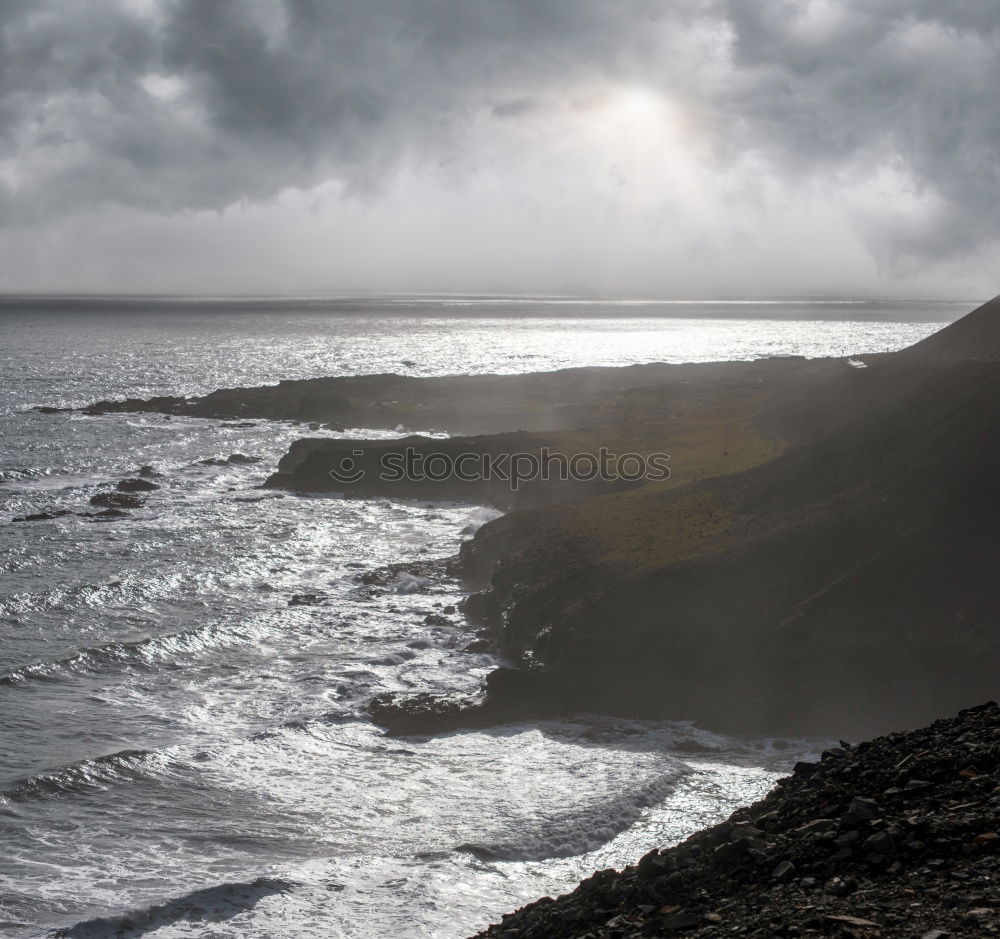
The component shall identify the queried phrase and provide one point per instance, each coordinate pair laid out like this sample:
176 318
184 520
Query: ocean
181 745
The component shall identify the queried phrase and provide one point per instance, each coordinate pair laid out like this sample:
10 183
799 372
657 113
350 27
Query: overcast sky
625 147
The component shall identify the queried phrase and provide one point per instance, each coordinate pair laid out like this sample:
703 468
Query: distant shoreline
818 308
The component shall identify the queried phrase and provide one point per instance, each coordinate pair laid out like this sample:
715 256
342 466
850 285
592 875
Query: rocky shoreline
820 560
893 837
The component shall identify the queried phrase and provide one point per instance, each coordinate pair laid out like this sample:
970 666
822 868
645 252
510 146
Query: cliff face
848 586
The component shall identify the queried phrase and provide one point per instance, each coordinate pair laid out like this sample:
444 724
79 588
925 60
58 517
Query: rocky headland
821 558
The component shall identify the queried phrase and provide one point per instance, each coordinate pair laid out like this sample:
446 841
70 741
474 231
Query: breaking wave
580 830
95 773
150 652
209 905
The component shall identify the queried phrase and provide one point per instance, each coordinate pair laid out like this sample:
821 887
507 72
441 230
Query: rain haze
637 148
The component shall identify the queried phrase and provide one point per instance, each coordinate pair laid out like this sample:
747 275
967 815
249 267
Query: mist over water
180 742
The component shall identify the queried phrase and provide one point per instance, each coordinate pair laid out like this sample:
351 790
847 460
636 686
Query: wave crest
577 831
95 773
150 652
209 905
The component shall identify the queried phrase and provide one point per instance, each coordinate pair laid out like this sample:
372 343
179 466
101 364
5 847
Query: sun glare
638 104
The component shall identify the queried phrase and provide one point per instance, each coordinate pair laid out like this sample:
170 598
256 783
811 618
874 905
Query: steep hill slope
848 586
975 337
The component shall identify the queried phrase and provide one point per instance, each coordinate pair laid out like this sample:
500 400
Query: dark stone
116 500
783 870
234 459
480 607
428 713
651 865
136 485
436 619
861 810
847 839
42 516
881 843
815 826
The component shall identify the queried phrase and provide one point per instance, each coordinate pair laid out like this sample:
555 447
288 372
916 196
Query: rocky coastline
897 836
820 559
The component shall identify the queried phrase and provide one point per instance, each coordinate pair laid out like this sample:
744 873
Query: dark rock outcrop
893 837
116 500
234 459
42 516
509 695
136 485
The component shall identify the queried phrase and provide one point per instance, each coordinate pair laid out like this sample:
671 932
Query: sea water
184 745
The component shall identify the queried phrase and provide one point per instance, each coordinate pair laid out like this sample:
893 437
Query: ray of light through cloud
637 148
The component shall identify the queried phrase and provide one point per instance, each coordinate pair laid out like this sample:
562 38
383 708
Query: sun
638 104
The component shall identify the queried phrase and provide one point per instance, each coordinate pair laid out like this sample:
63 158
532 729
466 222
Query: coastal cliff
821 558
847 586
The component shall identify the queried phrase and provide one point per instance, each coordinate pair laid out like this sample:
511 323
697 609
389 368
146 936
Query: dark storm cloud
909 86
199 104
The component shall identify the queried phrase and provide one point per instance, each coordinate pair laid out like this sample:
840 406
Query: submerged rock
116 500
234 459
42 516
